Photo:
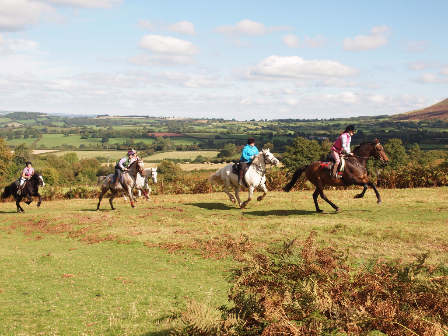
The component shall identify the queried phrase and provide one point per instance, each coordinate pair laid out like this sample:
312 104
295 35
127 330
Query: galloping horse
31 188
128 182
141 183
355 172
254 177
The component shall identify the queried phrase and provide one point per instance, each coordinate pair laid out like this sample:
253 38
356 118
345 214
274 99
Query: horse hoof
358 196
338 209
232 200
320 211
259 198
97 209
379 202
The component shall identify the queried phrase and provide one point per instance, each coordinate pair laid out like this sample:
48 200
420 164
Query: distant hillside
436 111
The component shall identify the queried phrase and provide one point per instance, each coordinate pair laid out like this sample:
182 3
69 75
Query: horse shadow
283 213
213 206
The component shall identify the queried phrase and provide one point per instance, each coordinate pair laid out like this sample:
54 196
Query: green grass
114 155
181 155
66 269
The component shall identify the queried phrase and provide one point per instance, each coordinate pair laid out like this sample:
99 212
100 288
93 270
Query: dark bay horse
355 172
31 188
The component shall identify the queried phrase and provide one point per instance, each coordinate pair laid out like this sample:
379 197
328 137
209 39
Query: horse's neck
259 161
363 154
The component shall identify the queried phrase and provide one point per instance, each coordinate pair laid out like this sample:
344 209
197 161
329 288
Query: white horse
254 177
128 183
141 183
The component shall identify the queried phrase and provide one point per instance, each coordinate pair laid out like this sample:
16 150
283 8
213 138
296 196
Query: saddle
236 168
328 163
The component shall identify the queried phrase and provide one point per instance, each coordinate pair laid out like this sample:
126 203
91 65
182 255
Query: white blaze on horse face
42 179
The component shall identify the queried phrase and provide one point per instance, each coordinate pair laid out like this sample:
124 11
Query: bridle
268 160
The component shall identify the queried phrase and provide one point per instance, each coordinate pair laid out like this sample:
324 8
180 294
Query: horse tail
216 176
7 192
295 177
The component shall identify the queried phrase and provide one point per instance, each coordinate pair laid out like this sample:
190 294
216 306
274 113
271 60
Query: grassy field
181 155
66 269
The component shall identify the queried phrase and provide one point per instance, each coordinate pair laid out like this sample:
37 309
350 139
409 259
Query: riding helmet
131 152
350 128
250 140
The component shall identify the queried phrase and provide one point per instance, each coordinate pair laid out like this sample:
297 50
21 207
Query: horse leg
245 203
19 208
40 200
111 198
29 199
227 191
237 195
146 195
265 191
320 191
365 186
378 197
315 196
101 197
361 195
131 197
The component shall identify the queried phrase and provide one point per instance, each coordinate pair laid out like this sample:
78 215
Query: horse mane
361 145
257 158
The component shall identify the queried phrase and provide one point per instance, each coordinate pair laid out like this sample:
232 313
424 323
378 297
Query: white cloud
278 92
429 77
443 71
63 85
295 67
416 46
316 42
168 45
183 27
84 3
418 65
161 60
248 27
146 24
376 39
291 41
18 45
18 14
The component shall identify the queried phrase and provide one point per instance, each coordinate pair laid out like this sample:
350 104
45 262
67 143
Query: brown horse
355 172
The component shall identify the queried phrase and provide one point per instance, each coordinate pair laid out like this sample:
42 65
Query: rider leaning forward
27 172
342 146
249 152
123 164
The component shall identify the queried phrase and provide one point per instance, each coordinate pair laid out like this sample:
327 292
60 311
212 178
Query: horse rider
123 164
27 172
341 146
248 154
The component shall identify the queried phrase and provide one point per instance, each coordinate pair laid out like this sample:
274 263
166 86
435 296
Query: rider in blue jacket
249 152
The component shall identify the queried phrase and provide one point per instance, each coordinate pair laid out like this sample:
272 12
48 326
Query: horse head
153 174
269 157
141 167
39 179
379 152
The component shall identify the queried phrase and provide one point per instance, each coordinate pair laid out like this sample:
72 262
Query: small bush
313 291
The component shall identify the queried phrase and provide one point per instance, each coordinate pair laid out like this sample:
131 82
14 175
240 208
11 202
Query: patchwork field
67 269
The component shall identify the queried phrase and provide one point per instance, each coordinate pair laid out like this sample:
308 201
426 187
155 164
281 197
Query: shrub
313 291
169 170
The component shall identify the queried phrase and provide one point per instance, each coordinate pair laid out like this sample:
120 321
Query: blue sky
223 59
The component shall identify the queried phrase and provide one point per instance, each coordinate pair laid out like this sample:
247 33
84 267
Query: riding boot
334 172
240 176
19 191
